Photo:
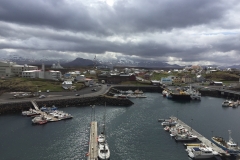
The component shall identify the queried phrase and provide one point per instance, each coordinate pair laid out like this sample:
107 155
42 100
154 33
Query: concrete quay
202 138
93 143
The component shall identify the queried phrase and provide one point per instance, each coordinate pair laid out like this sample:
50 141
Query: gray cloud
146 29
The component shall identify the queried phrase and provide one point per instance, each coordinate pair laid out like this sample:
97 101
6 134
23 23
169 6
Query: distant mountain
234 66
79 62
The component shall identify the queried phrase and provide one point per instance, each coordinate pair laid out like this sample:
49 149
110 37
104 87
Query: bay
133 132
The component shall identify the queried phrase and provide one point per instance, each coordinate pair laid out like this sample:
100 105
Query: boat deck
202 138
93 144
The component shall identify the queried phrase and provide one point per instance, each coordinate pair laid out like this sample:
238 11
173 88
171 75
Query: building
52 75
177 80
67 84
187 79
11 69
89 82
56 66
31 74
115 78
80 78
166 80
92 72
155 82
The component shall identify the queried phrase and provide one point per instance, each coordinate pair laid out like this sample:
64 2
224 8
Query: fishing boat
229 146
39 120
194 95
169 123
185 137
201 152
31 112
225 103
164 93
138 91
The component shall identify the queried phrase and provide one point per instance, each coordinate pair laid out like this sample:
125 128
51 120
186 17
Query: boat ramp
201 138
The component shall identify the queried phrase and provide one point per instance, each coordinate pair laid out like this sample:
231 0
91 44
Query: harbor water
133 132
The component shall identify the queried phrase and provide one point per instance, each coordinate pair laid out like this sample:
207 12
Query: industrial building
12 69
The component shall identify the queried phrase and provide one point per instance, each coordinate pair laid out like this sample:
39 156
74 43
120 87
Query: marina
201 138
45 114
131 130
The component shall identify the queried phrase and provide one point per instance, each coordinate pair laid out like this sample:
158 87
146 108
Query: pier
202 138
35 105
93 144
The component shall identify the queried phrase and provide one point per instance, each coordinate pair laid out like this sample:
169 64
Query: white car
42 96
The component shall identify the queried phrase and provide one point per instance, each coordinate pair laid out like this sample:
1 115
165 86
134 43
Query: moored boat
103 151
31 112
164 93
185 137
229 146
201 152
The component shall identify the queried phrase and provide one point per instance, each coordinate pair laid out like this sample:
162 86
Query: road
86 92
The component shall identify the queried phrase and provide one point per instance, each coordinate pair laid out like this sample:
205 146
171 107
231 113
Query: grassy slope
31 85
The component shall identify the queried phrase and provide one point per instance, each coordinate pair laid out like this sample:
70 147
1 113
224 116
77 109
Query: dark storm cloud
125 16
55 26
49 13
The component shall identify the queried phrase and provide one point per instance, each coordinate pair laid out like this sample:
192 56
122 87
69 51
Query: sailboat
103 148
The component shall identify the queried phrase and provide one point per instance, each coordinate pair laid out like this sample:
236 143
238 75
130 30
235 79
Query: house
166 80
115 78
177 80
187 79
155 82
67 84
89 82
80 78
92 72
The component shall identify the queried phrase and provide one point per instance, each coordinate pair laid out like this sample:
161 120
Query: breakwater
14 107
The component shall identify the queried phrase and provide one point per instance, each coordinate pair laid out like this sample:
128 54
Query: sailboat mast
104 119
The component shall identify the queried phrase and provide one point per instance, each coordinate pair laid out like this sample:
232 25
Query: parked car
77 94
94 89
42 96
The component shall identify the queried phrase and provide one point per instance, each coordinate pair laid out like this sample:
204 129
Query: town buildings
12 69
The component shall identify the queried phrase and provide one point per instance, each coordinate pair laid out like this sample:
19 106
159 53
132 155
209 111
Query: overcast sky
175 31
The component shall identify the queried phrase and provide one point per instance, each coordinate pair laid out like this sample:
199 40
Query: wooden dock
202 138
93 144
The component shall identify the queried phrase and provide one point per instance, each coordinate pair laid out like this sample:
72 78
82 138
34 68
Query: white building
166 80
11 69
92 72
80 78
31 74
53 75
57 66
67 84
89 82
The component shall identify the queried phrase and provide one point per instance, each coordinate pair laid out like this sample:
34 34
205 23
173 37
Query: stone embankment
83 101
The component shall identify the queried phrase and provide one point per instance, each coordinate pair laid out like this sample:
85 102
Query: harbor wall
15 107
